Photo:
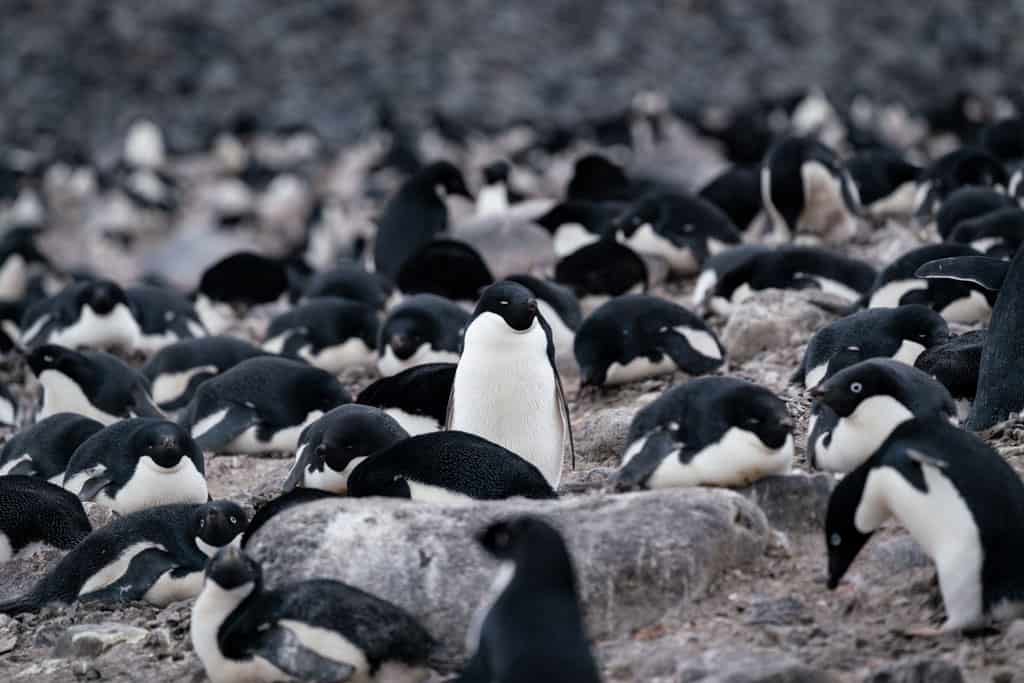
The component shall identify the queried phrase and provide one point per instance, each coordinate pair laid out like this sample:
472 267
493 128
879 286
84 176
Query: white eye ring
48 359
835 540
234 520
856 387
503 303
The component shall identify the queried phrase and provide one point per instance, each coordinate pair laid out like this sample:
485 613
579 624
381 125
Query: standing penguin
507 388
424 328
44 449
958 498
529 627
313 630
34 513
137 464
859 407
415 215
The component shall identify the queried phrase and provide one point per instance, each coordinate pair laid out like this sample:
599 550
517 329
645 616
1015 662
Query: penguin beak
832 583
818 392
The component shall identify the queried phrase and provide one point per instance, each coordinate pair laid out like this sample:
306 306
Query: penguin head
101 296
496 172
406 331
534 546
596 178
355 431
512 302
444 178
164 442
648 210
842 537
53 357
232 569
920 324
217 523
848 388
761 412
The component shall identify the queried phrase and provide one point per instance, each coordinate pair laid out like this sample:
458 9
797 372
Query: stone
770 319
1014 635
728 665
794 502
919 671
92 640
640 557
601 436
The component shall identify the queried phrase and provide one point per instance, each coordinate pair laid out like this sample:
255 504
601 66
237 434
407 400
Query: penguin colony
434 350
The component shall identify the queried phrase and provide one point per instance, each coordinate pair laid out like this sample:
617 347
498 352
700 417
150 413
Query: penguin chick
314 630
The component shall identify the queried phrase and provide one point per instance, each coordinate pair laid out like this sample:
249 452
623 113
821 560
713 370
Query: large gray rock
770 319
641 558
794 502
600 436
92 640
919 671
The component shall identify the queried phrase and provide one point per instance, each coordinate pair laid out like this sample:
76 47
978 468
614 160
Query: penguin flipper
24 467
230 427
984 271
297 473
143 571
691 360
93 485
563 410
635 473
285 650
143 405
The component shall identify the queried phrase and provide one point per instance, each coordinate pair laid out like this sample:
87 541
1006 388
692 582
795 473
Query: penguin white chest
505 391
858 435
116 328
739 458
151 485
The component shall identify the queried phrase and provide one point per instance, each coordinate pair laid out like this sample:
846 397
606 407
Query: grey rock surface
92 640
770 319
640 557
919 671
794 502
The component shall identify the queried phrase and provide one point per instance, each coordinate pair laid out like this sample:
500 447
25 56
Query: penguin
312 630
600 271
242 279
683 229
424 328
1004 139
176 371
285 501
156 555
136 464
859 407
415 214
637 336
20 259
806 189
967 203
448 268
330 448
1002 358
730 278
711 431
35 513
350 281
961 502
8 407
957 302
901 333
329 333
91 313
507 388
90 383
886 182
956 364
447 467
495 196
529 626
997 233
559 307
417 398
163 316
596 178
960 168
261 405
44 449
1016 188
736 191
575 224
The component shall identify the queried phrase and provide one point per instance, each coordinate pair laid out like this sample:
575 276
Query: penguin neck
549 569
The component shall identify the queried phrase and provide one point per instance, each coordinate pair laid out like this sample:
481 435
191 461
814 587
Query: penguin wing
563 410
635 473
984 271
143 405
284 649
143 571
235 421
25 467
94 484
925 459
298 470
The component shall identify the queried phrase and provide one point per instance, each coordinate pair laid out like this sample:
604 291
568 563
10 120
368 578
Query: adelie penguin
20 259
1002 358
507 388
638 336
558 306
36 514
261 405
448 268
996 233
956 301
711 431
966 204
334 445
163 316
858 408
91 313
415 215
176 371
956 364
238 281
601 271
417 398
424 328
447 467
155 555
737 192
682 229
806 189
331 334
90 383
137 464
44 448
575 224
313 630
350 281
958 498
529 626
965 166
899 333
886 182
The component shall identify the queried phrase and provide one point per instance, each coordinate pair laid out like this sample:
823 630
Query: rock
423 557
794 502
7 644
779 612
770 319
601 436
1014 635
92 640
919 671
757 666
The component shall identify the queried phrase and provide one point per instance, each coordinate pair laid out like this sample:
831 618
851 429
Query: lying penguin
35 513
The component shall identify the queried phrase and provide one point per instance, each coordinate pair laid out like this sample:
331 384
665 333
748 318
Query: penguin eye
688 228
836 540
753 420
503 303
202 523
47 358
234 520
321 449
856 387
